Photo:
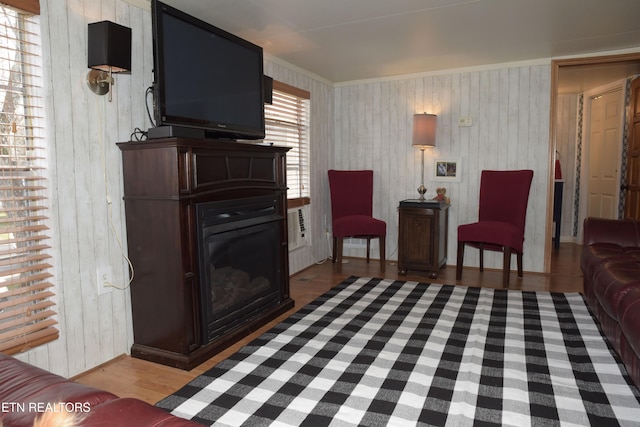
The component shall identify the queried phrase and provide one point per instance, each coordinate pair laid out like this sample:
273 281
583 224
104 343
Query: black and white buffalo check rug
375 352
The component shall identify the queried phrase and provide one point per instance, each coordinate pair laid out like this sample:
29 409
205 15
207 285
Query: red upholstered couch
25 390
611 267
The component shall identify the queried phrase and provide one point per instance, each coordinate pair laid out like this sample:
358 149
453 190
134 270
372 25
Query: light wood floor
130 377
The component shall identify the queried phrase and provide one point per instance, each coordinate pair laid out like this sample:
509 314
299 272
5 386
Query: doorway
578 76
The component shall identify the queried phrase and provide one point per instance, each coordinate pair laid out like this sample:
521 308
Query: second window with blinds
287 125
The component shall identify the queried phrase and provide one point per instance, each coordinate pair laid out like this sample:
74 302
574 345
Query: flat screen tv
205 79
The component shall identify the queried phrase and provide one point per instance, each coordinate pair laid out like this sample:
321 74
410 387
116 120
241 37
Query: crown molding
433 73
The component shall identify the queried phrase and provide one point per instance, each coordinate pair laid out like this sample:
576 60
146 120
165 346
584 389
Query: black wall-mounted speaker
268 90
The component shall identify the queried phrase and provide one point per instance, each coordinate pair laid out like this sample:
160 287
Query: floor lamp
424 136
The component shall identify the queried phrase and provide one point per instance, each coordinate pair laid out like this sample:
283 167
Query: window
26 309
287 125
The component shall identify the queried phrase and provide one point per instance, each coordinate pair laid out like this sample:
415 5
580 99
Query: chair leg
506 267
460 260
519 260
481 247
335 249
368 249
383 250
339 254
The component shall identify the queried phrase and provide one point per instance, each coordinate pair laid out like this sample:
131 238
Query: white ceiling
347 40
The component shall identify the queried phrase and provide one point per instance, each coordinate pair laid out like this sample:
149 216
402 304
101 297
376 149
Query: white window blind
26 308
287 125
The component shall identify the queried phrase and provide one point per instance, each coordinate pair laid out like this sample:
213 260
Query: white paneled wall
509 108
85 166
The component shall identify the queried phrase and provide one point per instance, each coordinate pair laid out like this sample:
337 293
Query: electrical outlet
104 279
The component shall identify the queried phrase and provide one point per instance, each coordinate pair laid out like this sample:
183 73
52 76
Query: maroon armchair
504 196
352 212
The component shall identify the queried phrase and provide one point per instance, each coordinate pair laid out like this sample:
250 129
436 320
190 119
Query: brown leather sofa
25 391
611 267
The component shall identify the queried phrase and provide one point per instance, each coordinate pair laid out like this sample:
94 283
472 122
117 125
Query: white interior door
603 187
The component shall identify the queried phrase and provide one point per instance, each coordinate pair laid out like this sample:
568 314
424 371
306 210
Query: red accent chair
351 212
504 196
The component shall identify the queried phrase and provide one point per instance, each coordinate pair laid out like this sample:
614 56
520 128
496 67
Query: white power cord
110 205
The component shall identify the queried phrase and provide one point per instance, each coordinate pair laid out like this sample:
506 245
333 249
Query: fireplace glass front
239 261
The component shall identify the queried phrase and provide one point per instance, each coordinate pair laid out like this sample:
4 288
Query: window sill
296 203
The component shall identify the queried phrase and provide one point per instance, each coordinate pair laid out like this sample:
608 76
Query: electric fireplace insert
239 261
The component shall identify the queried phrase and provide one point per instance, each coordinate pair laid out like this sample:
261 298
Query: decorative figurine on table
441 195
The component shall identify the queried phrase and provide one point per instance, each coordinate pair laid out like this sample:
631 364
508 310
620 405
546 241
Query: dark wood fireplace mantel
164 181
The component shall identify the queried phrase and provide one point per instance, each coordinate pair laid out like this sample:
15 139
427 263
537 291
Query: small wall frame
447 169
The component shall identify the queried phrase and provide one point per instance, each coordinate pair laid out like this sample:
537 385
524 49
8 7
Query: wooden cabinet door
417 238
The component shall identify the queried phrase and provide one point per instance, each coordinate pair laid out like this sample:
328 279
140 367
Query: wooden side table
422 236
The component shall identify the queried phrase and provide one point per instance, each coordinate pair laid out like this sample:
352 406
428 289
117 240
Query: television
207 81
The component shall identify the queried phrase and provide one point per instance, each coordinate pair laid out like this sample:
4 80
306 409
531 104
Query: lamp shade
424 130
109 45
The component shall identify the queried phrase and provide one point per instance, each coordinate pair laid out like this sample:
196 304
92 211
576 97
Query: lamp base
421 190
